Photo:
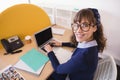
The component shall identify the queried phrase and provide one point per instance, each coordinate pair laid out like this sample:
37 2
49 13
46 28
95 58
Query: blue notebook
34 59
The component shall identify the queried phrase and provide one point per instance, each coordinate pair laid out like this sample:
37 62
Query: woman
89 41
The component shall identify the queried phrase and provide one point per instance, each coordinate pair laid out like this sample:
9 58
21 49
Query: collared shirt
87 44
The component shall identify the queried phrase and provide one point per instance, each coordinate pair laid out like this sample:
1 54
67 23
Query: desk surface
6 60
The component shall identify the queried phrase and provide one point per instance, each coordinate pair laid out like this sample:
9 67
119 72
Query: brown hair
98 35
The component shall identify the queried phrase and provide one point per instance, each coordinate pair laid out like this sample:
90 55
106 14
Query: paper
62 55
34 59
21 65
58 31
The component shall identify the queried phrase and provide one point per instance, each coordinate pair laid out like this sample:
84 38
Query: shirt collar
87 44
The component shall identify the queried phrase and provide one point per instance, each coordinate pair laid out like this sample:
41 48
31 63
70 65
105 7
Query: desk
6 60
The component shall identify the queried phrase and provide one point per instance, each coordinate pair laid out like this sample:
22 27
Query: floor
118 72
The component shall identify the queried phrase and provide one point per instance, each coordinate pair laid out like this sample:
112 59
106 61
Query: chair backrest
106 69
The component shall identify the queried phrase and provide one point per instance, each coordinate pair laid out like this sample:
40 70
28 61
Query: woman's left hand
48 48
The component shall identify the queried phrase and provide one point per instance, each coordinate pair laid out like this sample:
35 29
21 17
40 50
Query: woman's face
84 35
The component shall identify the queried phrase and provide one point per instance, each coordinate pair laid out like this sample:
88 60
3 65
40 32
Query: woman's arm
71 66
58 44
68 44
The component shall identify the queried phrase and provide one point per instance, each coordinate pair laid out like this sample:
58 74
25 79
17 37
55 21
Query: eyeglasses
83 26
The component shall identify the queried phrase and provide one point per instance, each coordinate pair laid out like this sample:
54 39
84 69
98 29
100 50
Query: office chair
106 69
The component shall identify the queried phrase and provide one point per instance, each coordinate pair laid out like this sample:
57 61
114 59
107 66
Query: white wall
7 3
110 17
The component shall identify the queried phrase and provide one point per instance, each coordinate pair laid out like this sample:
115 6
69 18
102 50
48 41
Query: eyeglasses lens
83 26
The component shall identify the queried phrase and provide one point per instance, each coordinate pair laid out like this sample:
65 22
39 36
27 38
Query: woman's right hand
55 43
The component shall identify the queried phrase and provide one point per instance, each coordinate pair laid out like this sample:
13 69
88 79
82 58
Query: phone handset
6 45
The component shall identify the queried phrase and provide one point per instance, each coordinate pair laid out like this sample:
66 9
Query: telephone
12 44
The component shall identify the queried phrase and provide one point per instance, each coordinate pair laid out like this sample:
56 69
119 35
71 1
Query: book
10 73
33 61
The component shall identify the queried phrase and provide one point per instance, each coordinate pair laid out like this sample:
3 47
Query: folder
33 61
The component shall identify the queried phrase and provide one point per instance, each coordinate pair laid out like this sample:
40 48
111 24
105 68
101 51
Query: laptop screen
43 36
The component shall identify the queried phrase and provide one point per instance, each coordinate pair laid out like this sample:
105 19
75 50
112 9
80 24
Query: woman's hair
92 15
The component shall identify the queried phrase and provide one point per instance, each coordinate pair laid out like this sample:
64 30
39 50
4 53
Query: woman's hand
55 43
48 48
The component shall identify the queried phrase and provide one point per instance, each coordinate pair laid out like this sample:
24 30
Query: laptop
43 37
